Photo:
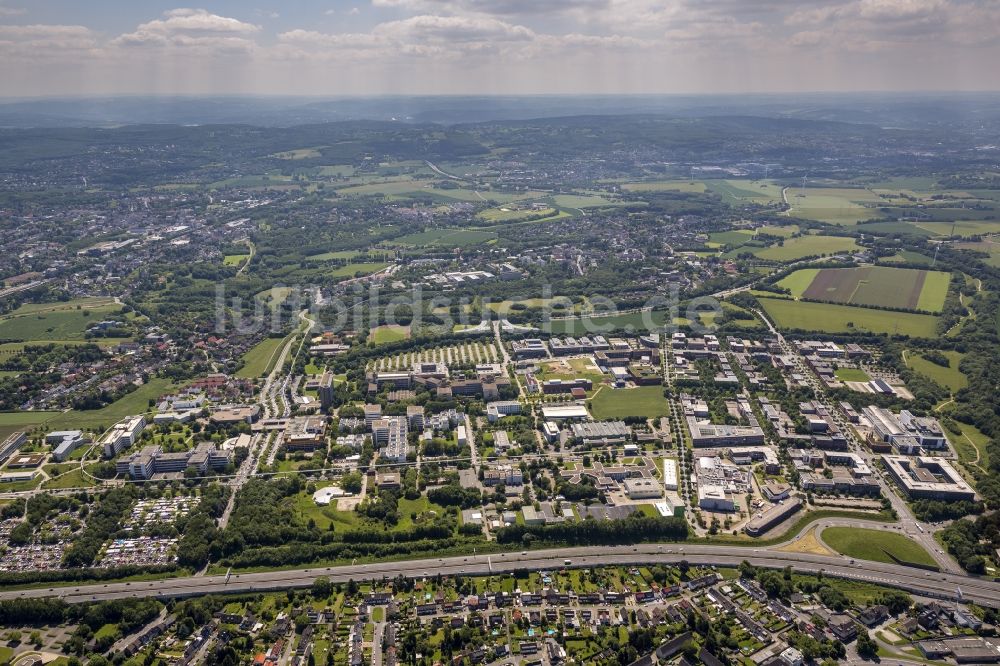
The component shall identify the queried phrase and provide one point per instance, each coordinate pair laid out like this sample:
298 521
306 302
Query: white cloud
46 41
527 46
495 7
187 28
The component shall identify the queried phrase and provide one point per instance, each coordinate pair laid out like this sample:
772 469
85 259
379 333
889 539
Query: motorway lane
917 581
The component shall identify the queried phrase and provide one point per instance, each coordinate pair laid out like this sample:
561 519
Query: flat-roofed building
501 441
670 474
415 417
642 488
772 517
11 444
65 443
392 434
305 433
529 348
713 497
710 434
500 408
236 414
122 435
601 432
896 428
372 414
398 380
565 412
926 477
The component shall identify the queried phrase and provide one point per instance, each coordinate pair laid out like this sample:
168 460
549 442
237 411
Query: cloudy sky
316 47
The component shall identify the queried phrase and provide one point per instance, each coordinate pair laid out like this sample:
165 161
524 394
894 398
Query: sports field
807 246
833 318
880 286
876 546
645 401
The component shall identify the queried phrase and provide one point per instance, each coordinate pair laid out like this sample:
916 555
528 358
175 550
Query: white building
670 474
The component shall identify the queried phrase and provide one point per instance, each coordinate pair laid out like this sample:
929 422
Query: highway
917 581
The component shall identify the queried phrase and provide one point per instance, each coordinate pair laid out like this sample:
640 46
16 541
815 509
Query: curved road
924 583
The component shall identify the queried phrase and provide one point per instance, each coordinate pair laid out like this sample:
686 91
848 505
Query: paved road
924 583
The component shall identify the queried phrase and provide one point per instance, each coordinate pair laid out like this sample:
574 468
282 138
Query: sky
373 47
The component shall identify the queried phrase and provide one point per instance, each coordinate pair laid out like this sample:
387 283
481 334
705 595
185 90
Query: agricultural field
386 187
362 268
962 228
389 333
907 257
833 318
842 206
136 402
274 179
446 238
951 377
298 154
736 238
987 245
335 171
648 401
664 186
11 422
798 282
56 321
471 352
345 255
876 546
880 286
582 201
807 246
260 358
512 214
746 191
